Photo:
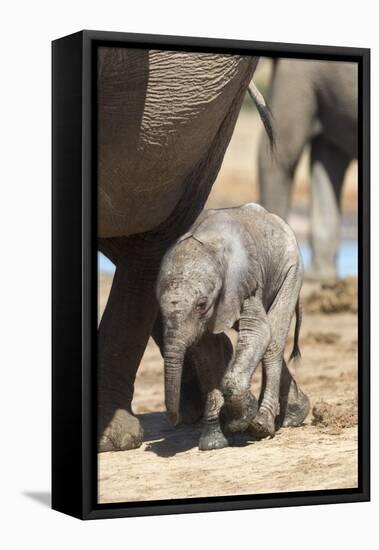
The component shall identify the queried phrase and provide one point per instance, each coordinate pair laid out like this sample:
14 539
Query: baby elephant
236 268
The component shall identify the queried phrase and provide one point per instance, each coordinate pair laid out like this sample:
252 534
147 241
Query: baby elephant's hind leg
279 317
263 425
294 404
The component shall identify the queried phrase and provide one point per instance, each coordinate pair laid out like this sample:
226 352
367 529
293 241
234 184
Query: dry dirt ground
321 454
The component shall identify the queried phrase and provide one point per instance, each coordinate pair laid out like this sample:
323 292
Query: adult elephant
316 103
165 119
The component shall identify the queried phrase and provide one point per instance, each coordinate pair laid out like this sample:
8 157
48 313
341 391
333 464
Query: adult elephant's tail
263 111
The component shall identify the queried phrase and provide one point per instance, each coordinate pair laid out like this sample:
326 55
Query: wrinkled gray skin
236 267
315 103
164 122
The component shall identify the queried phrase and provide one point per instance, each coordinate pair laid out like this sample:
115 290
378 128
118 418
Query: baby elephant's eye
201 304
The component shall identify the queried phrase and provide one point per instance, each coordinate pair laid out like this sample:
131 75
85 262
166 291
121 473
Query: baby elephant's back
275 240
277 250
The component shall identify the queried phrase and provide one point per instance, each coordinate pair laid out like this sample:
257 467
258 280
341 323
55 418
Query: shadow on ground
42 497
166 441
163 439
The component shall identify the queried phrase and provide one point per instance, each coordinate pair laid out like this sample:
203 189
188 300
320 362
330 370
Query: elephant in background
235 268
315 103
165 119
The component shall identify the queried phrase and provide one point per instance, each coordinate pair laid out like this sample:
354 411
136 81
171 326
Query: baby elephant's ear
194 228
240 269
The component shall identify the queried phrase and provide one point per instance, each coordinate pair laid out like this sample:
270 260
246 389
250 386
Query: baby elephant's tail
296 355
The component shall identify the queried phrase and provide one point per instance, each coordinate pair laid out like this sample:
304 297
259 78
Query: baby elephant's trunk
295 354
173 366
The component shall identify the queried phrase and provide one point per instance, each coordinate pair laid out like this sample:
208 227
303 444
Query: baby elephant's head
188 291
188 288
203 281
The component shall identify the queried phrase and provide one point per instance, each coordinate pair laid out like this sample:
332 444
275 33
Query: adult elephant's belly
163 118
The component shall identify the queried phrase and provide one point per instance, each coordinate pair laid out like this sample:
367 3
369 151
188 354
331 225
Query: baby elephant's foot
263 425
212 436
234 421
296 411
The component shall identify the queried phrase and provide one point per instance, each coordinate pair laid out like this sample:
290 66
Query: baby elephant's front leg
212 436
253 338
211 357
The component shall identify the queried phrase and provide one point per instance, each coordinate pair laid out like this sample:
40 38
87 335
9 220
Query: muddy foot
297 411
124 432
212 437
232 421
262 426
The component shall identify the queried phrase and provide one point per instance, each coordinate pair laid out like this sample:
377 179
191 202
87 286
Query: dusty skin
321 454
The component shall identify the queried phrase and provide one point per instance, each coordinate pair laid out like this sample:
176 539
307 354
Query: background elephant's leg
211 357
123 334
294 404
293 104
192 400
275 185
328 166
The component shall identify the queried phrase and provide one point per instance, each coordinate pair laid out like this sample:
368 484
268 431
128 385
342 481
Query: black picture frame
74 454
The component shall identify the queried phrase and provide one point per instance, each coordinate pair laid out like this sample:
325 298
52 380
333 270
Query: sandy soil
321 454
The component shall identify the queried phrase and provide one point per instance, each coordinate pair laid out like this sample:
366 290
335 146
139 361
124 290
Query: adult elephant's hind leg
123 334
